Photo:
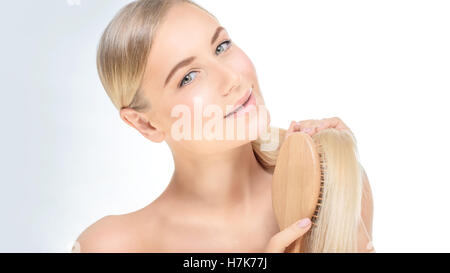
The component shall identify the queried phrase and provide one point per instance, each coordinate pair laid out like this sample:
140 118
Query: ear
140 122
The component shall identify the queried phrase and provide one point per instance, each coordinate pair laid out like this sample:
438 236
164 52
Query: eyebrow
189 60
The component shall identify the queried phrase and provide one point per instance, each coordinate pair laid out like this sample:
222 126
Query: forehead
184 31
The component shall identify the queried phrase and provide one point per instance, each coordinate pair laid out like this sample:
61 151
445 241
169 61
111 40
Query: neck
222 179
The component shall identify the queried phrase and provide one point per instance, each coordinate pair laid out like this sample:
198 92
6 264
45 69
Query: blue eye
186 77
219 48
228 43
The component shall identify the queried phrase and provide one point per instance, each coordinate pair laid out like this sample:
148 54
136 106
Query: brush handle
296 183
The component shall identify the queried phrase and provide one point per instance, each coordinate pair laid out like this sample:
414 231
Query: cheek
191 105
242 63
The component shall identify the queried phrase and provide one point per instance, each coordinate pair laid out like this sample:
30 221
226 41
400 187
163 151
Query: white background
383 67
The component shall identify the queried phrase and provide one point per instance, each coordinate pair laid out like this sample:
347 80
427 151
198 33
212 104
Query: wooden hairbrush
297 183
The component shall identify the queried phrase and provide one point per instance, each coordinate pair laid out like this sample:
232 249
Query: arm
365 227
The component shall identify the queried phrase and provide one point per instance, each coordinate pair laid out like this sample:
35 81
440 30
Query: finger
283 239
337 123
290 130
306 126
310 129
292 126
307 123
323 124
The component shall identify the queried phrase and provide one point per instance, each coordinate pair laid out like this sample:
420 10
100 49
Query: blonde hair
339 217
122 58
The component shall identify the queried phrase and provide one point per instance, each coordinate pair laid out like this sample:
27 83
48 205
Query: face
190 102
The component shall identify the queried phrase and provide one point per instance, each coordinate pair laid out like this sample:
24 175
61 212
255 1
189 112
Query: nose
234 80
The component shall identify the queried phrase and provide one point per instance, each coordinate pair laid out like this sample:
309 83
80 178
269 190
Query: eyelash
228 42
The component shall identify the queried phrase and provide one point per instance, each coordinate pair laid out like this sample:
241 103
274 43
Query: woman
155 56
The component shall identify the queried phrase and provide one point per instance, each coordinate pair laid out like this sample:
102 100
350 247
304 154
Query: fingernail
304 223
306 130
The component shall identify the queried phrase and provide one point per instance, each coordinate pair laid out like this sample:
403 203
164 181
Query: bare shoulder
107 234
133 232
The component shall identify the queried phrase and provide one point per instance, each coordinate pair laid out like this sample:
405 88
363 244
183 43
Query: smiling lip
243 99
241 102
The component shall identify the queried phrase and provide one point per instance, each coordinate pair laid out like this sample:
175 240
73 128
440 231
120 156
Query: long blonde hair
339 217
122 57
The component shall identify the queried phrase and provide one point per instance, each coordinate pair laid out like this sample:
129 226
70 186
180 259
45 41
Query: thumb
281 240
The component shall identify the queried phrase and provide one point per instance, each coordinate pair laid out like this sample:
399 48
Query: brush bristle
322 184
